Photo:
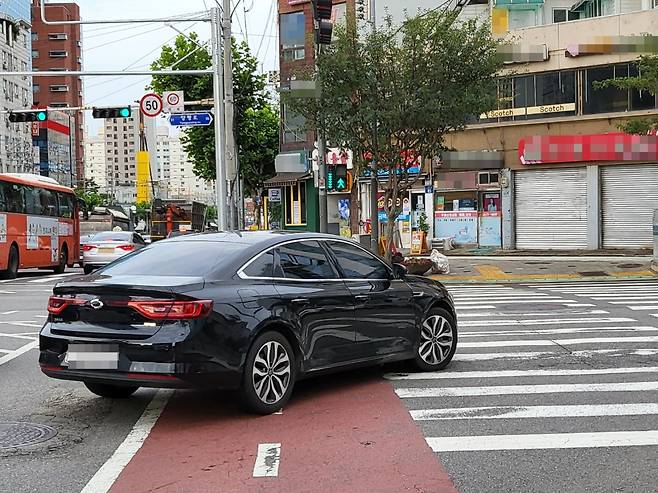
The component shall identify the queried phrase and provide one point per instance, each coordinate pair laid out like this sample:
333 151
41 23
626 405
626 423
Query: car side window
305 260
262 266
356 263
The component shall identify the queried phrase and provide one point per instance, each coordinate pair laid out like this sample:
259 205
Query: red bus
39 225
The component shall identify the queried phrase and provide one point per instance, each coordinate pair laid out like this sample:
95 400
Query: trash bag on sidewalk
440 263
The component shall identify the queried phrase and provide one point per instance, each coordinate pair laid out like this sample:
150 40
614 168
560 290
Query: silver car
106 247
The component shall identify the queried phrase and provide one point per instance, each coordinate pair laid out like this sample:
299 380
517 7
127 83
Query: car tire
437 341
13 263
111 391
88 269
269 374
63 261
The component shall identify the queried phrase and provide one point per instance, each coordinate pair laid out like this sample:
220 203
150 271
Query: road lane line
10 312
50 278
518 373
22 324
267 460
559 342
554 354
105 477
573 330
527 314
20 351
543 441
511 302
412 393
22 335
546 321
524 412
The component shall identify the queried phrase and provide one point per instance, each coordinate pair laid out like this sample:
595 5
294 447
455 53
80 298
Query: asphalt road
579 412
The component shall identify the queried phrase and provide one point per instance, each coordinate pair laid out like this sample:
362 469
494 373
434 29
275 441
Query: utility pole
229 116
220 137
374 179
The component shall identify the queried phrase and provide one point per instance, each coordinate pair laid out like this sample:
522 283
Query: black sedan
254 311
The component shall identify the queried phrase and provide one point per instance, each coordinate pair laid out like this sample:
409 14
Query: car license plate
92 357
106 250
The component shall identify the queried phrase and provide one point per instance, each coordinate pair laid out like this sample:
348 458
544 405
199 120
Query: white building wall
95 165
121 145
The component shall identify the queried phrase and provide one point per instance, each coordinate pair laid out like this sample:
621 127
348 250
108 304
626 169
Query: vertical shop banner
461 226
3 228
490 229
344 217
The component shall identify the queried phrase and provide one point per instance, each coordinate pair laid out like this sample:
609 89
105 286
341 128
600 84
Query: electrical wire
126 38
267 26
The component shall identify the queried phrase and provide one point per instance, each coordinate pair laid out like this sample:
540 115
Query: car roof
255 238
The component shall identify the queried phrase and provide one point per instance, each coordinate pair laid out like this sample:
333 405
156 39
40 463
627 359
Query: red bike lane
338 434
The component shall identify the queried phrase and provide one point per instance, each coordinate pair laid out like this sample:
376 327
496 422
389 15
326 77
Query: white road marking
477 307
22 324
418 392
20 351
636 308
512 294
577 305
554 354
513 412
267 460
653 297
6 351
22 335
105 477
574 330
10 312
588 285
509 302
559 342
544 441
46 316
50 278
634 302
546 321
7 292
527 314
519 373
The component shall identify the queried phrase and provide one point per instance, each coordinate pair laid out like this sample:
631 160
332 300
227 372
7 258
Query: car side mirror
399 271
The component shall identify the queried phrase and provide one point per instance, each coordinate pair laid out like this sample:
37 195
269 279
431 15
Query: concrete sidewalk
516 268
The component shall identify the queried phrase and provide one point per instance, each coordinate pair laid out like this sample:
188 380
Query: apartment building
59 48
16 150
121 144
95 160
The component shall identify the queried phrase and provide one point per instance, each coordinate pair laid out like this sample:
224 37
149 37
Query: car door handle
362 297
418 294
300 301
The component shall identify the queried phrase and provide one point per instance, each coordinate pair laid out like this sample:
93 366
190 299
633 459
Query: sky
135 46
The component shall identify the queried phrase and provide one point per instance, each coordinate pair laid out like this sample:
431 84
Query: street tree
89 192
392 93
253 111
647 80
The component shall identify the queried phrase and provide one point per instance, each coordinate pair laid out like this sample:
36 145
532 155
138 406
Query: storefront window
610 99
293 36
296 204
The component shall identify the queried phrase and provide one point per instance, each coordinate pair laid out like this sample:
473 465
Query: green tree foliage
88 192
647 80
256 122
392 94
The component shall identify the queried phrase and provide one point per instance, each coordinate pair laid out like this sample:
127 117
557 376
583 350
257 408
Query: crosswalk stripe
527 314
653 297
544 441
442 375
57 277
559 342
512 294
572 330
551 321
529 355
5 351
476 307
637 308
414 393
573 285
510 302
631 302
514 412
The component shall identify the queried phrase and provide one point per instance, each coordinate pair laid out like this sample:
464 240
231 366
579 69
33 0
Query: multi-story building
121 145
59 48
16 151
96 161
54 147
565 177
174 171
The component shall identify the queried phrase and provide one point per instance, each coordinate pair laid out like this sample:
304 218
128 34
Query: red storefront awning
541 149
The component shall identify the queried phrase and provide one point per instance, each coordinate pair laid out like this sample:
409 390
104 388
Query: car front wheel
111 391
437 341
269 374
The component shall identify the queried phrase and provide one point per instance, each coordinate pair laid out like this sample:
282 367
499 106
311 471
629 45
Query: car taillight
57 304
126 248
172 310
86 248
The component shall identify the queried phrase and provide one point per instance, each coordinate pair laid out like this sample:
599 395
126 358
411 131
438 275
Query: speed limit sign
151 105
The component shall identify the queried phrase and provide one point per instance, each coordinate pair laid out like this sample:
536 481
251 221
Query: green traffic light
125 112
41 116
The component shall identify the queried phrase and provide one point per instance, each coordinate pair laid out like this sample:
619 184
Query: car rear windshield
112 236
177 258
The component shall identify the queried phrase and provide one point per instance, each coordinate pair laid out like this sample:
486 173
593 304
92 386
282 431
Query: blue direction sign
198 119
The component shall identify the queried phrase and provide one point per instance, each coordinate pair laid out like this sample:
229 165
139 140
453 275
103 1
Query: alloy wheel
435 340
271 372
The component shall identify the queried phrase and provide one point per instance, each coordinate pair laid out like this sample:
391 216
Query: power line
125 38
267 26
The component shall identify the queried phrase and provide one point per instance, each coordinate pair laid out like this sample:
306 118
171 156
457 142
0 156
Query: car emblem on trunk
96 304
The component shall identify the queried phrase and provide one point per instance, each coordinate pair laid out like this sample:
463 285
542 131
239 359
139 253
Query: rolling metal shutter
551 209
630 195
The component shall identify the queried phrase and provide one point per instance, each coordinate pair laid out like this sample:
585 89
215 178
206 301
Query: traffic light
28 116
104 113
324 28
331 178
341 179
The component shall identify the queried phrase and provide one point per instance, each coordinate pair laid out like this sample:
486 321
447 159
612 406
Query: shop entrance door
490 219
